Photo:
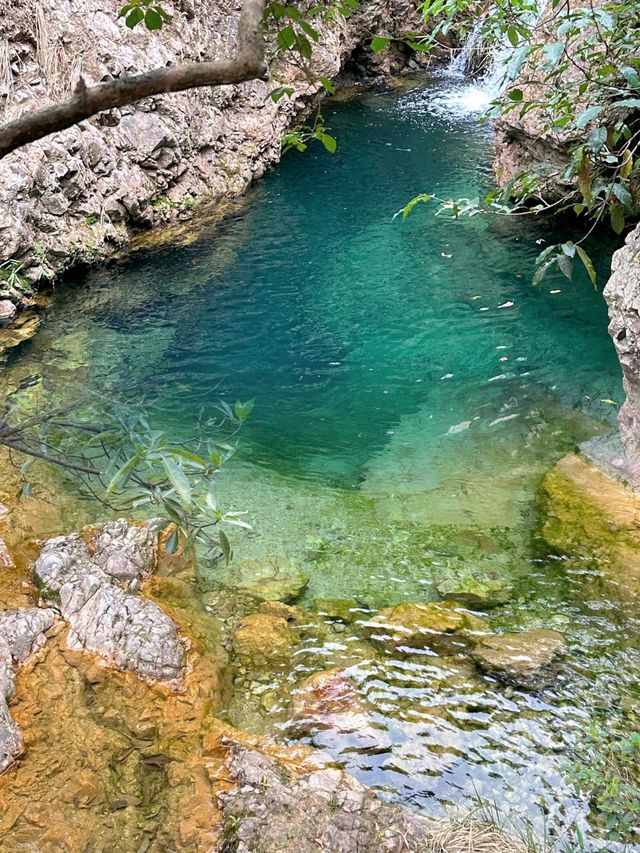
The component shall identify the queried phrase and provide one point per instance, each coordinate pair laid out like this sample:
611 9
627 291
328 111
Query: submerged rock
272 578
444 626
84 584
343 609
328 701
263 637
524 658
22 632
483 590
291 614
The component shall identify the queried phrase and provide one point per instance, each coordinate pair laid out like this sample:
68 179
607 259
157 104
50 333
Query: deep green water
411 387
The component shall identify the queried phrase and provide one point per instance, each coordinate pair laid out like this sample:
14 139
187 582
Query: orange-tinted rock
261 637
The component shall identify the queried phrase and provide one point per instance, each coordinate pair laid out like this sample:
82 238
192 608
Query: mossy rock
342 609
483 590
446 627
272 578
586 514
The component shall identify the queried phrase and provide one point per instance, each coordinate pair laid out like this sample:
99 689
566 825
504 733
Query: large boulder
274 810
277 807
622 293
85 580
446 627
589 515
524 659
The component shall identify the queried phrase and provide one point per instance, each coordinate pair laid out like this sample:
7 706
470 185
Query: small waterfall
461 63
476 94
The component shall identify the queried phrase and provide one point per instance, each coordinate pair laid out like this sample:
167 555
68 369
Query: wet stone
446 627
273 810
273 578
524 659
262 637
483 590
344 609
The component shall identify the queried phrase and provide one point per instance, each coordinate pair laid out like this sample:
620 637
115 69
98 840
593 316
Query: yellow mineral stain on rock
111 763
592 516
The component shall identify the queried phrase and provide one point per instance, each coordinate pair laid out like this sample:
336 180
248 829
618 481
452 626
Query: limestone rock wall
623 297
79 193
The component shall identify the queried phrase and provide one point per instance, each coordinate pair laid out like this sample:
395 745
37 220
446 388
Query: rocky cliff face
623 297
78 194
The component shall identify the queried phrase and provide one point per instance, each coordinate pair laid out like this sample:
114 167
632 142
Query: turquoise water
411 387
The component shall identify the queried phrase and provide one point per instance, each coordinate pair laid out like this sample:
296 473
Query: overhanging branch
248 64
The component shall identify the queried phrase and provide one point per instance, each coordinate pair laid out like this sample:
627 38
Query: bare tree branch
248 64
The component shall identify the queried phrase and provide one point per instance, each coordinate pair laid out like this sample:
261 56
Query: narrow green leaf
588 115
587 263
226 546
565 264
171 545
121 476
379 43
179 480
617 218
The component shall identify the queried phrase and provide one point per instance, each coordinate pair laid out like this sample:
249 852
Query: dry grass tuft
472 836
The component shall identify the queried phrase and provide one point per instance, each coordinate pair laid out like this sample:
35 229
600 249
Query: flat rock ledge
273 811
22 633
92 582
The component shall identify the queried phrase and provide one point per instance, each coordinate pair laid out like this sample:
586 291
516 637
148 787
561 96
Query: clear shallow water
411 387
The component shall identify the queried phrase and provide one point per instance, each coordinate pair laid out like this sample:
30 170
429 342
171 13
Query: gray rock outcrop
22 633
273 812
80 193
623 298
90 587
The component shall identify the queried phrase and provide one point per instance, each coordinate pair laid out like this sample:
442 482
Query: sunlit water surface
411 387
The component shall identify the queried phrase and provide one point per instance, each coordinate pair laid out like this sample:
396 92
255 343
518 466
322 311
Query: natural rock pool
411 389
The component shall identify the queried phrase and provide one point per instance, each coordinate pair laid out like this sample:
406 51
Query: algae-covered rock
272 578
589 515
444 626
343 609
524 658
288 612
263 637
483 590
